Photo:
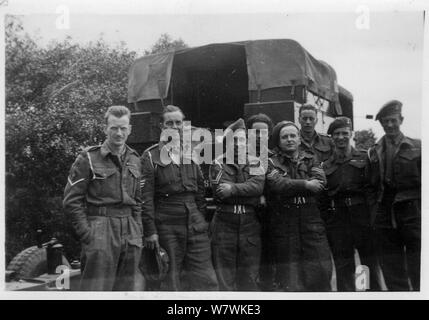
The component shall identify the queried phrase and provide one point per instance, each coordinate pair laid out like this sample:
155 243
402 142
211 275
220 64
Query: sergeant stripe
73 183
219 175
272 173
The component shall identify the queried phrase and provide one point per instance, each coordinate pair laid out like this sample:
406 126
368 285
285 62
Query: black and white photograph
213 149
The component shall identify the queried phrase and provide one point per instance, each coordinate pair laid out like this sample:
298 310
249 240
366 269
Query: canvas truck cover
270 64
149 77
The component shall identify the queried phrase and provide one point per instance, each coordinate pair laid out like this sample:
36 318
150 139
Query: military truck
217 83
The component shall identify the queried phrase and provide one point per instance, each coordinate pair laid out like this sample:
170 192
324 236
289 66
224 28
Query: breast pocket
106 181
323 152
408 163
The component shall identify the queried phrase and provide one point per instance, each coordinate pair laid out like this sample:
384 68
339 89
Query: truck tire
31 263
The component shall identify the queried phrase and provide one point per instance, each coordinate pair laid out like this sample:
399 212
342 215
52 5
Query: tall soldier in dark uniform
236 230
313 142
298 233
102 196
395 163
348 217
174 211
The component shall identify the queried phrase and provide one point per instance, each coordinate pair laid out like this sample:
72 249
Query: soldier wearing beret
347 219
294 178
102 196
311 141
395 163
235 228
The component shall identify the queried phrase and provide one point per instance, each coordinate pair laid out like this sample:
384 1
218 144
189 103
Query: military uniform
174 208
397 210
102 196
348 217
301 247
235 229
320 145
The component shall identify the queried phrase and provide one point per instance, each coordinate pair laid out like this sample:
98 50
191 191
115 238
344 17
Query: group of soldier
281 228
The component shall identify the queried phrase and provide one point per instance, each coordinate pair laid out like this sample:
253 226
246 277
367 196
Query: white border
215 7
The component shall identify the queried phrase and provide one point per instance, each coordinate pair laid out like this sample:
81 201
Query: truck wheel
31 263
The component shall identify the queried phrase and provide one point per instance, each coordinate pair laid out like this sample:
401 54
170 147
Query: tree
55 100
165 43
364 139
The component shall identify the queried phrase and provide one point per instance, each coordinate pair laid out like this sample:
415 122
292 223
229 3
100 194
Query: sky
376 60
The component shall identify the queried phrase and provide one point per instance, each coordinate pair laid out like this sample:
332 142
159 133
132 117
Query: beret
340 122
389 108
278 127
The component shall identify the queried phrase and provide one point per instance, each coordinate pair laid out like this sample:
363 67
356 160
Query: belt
236 208
117 212
179 197
347 201
298 201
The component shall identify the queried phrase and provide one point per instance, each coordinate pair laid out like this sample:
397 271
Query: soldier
293 180
102 196
236 230
311 141
174 211
348 219
266 271
395 163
